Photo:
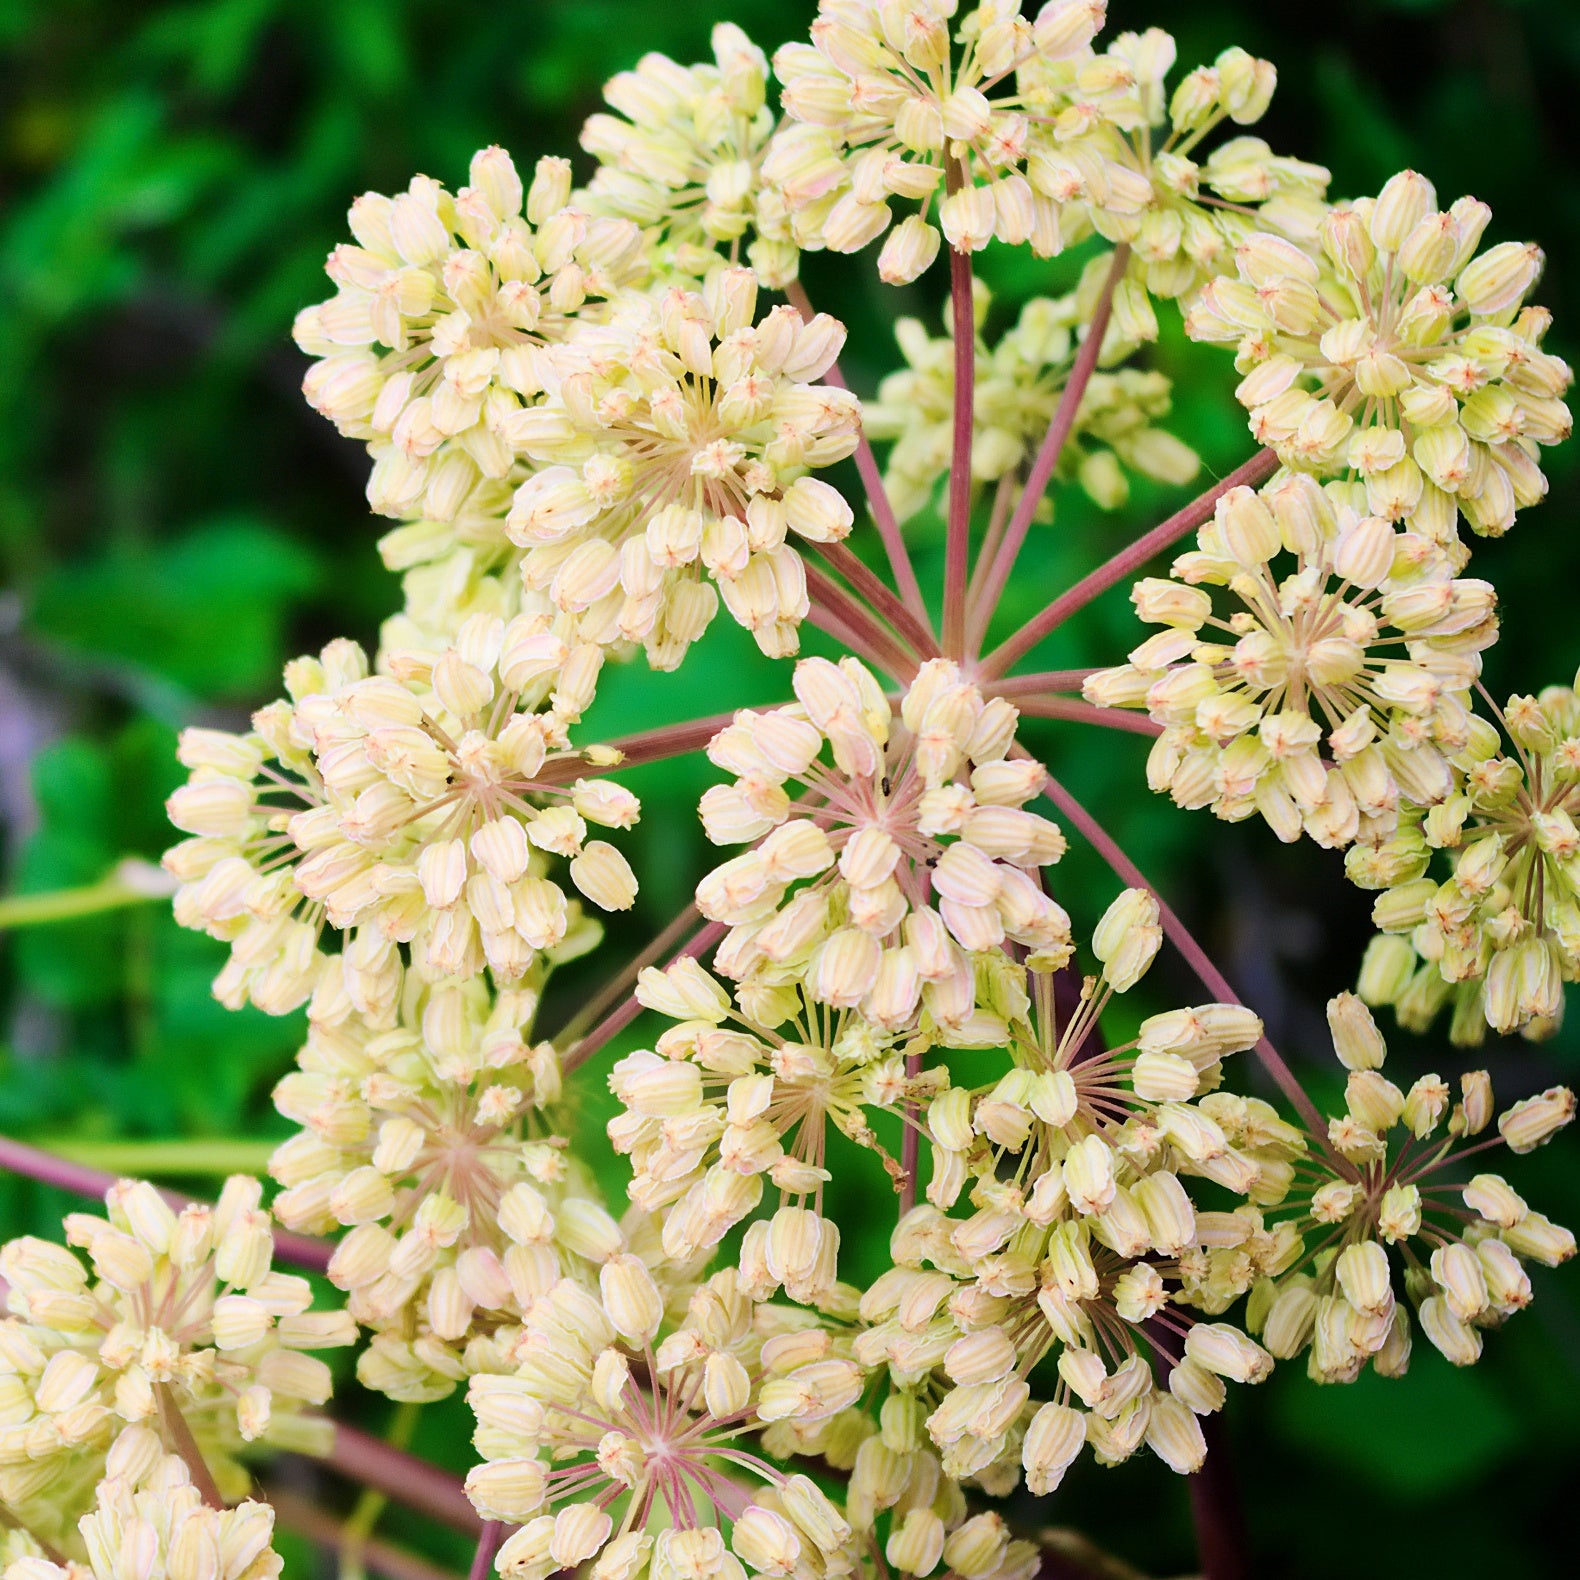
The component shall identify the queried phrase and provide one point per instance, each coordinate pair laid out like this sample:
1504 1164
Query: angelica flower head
175 1311
1018 382
681 156
675 456
445 308
1360 645
910 852
650 1426
1378 1218
1500 934
1397 353
148 1521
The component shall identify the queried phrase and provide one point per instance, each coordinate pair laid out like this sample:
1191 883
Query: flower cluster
1019 380
1398 354
1376 1188
418 807
176 1312
911 852
1362 644
675 455
445 309
1501 934
682 157
150 1523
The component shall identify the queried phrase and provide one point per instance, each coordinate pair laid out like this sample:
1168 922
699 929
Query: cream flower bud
1054 1438
1228 1352
1362 1272
1356 1039
1528 1124
1128 938
604 876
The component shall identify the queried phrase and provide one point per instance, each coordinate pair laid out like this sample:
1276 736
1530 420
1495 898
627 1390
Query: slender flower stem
647 746
978 611
916 634
1195 956
129 882
1088 713
487 1546
1215 1509
618 1019
17 1157
410 1481
1045 681
298 1514
142 1159
878 501
834 612
910 1142
179 1435
620 984
1014 648
1053 443
957 549
9 1522
358 1529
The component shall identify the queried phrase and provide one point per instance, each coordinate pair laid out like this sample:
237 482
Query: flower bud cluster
1500 935
910 853
437 794
681 156
445 308
175 1310
150 1523
674 458
1397 353
1344 694
1377 1235
1019 380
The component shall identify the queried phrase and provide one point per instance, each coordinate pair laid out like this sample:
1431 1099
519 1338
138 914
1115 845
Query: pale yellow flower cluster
175 1311
420 807
1019 379
1352 639
1500 935
1457 1245
909 853
681 156
1397 353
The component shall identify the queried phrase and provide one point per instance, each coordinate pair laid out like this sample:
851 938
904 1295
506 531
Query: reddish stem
1047 680
620 984
878 502
1087 713
917 634
298 1514
17 1157
835 612
1195 956
910 1142
1193 515
179 1435
413 1482
957 549
1053 443
619 1018
487 1546
987 554
1216 1510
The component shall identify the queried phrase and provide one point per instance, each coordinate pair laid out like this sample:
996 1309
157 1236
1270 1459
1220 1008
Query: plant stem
141 1159
357 1531
987 553
620 984
297 1514
1195 956
17 1157
878 502
1010 651
1216 1511
1087 713
413 1482
916 634
129 882
1059 426
1044 681
179 1435
832 611
618 1019
957 548
487 1546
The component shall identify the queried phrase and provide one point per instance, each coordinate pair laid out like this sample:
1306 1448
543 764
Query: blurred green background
174 523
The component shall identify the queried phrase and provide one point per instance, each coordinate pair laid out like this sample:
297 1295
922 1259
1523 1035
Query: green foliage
174 523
